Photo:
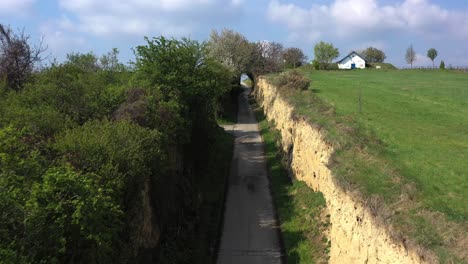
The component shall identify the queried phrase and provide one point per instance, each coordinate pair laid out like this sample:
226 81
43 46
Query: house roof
352 52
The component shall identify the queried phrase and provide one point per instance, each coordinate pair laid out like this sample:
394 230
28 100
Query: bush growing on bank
292 80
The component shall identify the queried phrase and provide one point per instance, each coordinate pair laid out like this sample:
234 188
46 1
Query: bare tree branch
17 57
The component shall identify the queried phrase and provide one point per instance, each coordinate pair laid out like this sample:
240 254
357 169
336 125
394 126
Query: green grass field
409 135
422 116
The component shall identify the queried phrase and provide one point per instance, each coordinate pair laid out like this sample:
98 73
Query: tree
325 53
110 61
410 55
86 62
231 49
432 54
372 54
266 57
293 57
183 72
17 57
442 65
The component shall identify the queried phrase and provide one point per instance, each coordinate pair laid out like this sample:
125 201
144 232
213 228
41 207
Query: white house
352 61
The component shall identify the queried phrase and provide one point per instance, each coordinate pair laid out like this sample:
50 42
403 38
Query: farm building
352 61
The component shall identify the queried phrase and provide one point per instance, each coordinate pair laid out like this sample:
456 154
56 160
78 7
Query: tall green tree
372 54
410 55
184 73
432 54
325 53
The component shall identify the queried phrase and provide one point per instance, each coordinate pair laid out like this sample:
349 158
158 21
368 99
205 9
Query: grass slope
300 210
407 148
421 116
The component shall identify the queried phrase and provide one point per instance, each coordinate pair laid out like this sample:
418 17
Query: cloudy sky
390 25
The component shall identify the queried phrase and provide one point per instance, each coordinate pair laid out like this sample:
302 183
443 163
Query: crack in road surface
250 230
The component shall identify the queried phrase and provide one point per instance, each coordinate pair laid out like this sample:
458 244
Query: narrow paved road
250 231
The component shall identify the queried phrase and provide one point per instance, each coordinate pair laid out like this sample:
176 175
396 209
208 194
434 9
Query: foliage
20 163
71 218
88 149
325 53
267 57
17 57
294 57
432 54
25 111
110 61
410 55
442 65
197 84
119 152
316 65
232 49
84 62
373 55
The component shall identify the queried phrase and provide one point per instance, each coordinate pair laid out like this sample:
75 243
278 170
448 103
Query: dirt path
250 231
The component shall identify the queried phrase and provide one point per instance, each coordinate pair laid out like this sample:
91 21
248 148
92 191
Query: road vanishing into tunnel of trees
250 231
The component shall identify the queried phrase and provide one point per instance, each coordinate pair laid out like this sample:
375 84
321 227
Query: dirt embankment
356 235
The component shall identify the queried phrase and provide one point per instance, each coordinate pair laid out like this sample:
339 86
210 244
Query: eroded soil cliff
357 235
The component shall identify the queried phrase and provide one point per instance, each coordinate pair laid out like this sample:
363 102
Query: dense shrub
82 155
20 166
331 66
324 65
71 218
79 94
119 152
196 86
293 80
316 64
20 162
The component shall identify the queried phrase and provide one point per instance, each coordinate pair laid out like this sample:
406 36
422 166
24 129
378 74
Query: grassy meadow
422 118
401 136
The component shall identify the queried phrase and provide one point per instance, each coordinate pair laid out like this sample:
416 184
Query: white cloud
145 17
17 7
345 18
59 42
422 60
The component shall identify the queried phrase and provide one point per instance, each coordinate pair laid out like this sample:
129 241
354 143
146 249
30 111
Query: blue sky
98 26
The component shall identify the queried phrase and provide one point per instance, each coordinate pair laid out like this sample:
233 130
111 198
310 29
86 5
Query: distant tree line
253 58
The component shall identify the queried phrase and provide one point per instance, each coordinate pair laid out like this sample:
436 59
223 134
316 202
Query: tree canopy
325 52
372 54
432 54
294 57
231 49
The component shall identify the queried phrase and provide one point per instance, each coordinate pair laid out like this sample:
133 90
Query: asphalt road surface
250 231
